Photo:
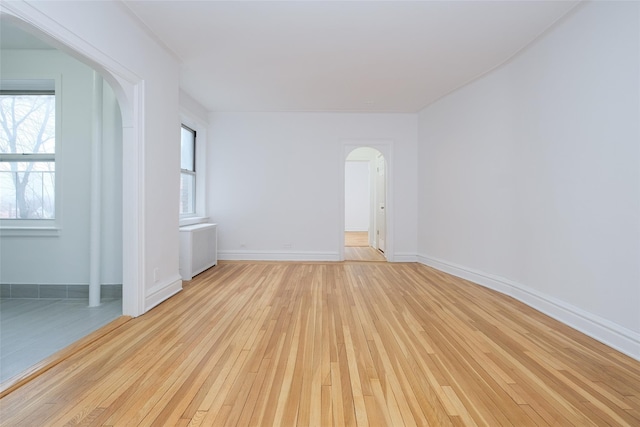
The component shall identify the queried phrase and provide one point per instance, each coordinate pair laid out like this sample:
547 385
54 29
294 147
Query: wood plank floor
380 344
363 254
356 247
356 238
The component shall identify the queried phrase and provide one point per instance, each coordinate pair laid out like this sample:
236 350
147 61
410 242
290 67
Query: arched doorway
116 123
366 233
129 91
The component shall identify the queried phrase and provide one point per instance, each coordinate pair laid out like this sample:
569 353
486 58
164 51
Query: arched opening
112 124
365 205
129 90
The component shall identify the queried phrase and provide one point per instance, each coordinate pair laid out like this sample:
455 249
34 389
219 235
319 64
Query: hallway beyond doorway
356 238
357 247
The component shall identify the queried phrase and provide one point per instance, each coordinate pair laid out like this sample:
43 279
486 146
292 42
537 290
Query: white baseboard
605 331
405 257
162 291
277 256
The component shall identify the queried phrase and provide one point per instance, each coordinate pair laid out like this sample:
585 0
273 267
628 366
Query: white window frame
40 227
190 172
187 119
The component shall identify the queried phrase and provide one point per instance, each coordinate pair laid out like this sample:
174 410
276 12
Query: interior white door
381 217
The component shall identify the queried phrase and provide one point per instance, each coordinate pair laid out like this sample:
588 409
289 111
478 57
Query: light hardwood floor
356 247
363 254
262 344
356 238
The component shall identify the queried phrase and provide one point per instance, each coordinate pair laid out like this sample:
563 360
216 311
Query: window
187 171
27 149
193 145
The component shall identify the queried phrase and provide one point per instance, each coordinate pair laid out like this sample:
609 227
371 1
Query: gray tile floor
33 329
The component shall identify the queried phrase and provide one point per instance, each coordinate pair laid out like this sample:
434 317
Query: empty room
321 213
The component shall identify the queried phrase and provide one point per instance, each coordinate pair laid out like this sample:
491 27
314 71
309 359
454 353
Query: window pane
27 190
187 149
187 192
28 123
28 119
8 207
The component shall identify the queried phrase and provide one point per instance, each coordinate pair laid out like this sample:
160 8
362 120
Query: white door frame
377 208
385 147
129 90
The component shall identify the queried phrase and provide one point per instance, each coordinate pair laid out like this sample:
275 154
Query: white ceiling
362 56
342 56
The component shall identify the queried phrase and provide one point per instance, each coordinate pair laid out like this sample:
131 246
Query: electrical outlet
155 274
287 246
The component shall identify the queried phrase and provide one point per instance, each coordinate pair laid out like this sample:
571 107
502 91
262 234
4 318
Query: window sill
192 220
29 232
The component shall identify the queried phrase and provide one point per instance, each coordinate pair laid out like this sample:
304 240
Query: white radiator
198 249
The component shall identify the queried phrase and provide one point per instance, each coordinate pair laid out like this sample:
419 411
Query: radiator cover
198 249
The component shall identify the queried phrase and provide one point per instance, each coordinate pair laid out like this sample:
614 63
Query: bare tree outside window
27 155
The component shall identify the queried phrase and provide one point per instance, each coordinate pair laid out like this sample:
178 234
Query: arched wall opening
378 156
129 91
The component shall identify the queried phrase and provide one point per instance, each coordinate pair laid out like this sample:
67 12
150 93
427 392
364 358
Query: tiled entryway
33 329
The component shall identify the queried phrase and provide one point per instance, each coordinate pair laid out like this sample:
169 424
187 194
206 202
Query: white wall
275 180
64 259
529 177
357 196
